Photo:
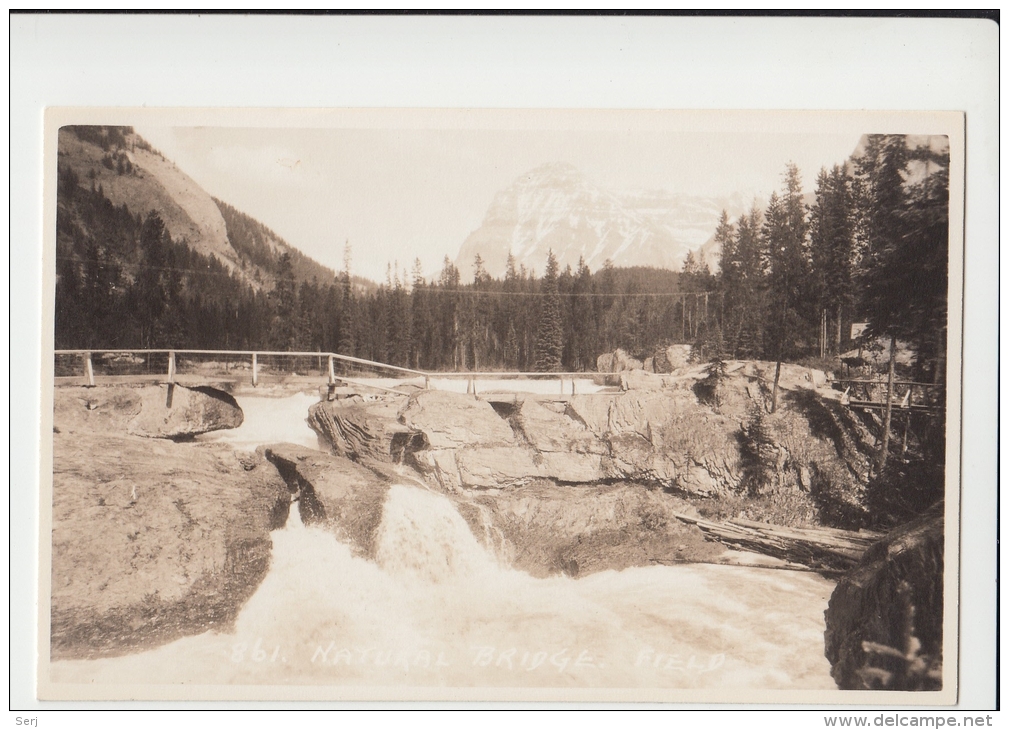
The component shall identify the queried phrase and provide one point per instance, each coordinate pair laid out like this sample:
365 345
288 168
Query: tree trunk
774 390
837 341
884 448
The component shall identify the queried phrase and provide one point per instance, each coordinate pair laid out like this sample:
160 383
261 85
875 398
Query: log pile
823 549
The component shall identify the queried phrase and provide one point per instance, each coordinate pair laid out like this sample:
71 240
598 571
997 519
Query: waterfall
436 608
422 534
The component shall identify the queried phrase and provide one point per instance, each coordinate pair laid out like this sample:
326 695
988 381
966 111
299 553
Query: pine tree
549 344
785 230
347 344
832 245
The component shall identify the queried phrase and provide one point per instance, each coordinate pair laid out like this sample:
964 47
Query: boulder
153 411
452 420
673 357
616 362
641 380
152 541
335 492
622 362
439 465
643 411
892 598
367 431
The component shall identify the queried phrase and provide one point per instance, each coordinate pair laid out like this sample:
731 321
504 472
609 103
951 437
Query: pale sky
401 193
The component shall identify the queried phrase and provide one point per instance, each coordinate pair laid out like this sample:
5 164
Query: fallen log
828 551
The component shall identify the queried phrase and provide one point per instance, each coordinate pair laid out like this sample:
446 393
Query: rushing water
435 608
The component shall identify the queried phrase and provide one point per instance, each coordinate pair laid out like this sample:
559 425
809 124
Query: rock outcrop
152 540
691 431
659 437
450 420
344 497
370 431
884 620
152 411
546 529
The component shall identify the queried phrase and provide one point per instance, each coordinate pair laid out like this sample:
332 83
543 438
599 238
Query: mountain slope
129 172
556 207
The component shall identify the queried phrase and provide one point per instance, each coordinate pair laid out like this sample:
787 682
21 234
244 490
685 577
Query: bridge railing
907 394
166 365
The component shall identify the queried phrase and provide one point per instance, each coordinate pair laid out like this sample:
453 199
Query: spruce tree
549 345
832 241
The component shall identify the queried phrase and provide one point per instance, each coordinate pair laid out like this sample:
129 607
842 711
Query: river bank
395 580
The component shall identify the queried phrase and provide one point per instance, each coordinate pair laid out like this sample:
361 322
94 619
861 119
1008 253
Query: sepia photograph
501 404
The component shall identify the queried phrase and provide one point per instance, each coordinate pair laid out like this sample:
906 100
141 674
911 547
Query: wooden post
427 382
885 447
572 386
332 372
171 366
255 370
683 318
89 370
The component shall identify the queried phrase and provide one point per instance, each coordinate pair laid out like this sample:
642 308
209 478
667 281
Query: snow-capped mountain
556 207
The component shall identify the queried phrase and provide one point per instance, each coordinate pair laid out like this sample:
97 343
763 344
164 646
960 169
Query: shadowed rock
894 599
369 431
547 529
343 496
154 540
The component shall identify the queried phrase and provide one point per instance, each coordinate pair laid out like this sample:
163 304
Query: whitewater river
436 609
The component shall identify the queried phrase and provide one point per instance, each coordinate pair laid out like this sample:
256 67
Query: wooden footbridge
908 396
341 374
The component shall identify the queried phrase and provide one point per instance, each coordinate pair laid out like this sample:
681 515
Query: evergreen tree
832 245
347 344
785 243
284 324
549 334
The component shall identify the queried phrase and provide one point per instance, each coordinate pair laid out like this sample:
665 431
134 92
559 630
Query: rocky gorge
156 536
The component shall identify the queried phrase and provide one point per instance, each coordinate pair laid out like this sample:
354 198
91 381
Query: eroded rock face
154 540
895 591
687 435
451 420
551 432
152 411
370 431
343 496
547 529
660 437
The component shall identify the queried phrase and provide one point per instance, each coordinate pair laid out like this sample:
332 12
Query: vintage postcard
504 405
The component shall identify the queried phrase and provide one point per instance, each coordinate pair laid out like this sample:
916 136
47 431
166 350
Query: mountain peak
556 207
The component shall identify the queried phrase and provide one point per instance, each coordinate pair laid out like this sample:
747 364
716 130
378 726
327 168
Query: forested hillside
872 247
